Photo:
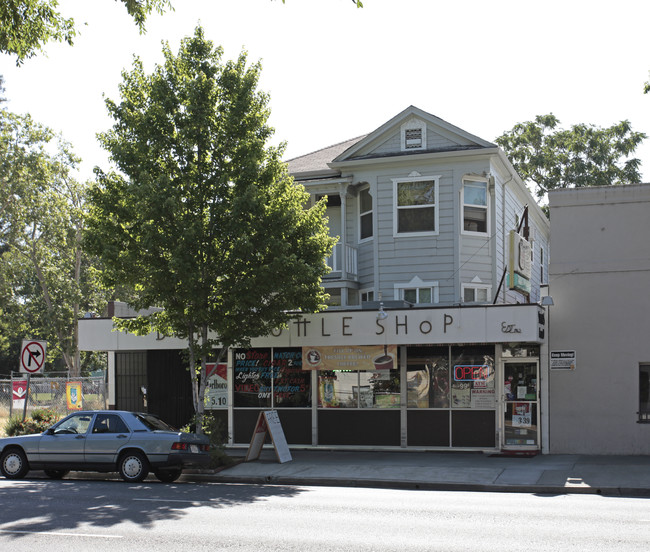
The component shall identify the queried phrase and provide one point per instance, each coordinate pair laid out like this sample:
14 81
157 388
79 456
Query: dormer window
414 135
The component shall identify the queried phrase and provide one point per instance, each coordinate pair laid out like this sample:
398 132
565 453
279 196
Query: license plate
194 449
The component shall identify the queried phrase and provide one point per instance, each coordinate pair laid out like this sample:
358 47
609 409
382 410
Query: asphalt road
109 515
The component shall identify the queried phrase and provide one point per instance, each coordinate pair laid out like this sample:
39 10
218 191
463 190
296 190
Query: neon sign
471 373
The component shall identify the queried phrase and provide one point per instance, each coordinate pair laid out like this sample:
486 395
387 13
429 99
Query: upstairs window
475 207
473 293
365 215
417 292
416 206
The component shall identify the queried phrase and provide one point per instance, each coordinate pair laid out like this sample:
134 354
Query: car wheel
133 467
168 476
56 474
13 464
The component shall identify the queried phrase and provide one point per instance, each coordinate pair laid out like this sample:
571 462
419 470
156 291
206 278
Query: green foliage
216 430
27 25
45 282
39 421
584 155
202 218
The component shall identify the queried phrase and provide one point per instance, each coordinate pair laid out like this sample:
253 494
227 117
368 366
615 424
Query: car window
153 423
109 423
77 423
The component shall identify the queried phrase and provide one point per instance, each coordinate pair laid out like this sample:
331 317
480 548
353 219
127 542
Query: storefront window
428 377
473 377
269 378
359 389
456 377
291 384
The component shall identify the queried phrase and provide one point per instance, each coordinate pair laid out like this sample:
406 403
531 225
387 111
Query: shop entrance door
521 405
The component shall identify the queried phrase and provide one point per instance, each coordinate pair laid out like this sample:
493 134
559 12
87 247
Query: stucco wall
599 280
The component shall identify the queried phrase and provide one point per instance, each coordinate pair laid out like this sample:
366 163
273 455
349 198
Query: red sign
471 373
19 390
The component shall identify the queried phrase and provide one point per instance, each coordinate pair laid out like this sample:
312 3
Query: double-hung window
365 214
475 206
417 292
416 206
476 293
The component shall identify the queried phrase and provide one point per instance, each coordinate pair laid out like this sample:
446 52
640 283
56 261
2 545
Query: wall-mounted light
382 314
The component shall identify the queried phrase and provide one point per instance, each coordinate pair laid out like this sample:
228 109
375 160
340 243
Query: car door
108 435
66 444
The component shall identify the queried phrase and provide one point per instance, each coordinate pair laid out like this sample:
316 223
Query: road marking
57 534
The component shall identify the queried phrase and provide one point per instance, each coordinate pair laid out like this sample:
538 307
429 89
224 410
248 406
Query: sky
335 72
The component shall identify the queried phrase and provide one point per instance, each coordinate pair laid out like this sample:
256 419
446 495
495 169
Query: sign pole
26 397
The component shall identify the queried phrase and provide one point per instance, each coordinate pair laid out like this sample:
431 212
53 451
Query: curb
420 485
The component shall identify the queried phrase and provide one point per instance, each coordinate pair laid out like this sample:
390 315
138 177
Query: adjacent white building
599 324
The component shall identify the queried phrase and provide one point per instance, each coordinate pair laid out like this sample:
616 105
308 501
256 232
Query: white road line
57 534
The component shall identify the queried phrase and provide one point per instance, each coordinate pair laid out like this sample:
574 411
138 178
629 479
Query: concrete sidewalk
557 474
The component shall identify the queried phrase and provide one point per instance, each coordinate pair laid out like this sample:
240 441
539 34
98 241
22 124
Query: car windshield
153 423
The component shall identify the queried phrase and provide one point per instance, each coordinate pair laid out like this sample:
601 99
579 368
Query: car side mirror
49 431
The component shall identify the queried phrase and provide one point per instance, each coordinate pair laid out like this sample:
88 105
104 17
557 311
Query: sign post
269 422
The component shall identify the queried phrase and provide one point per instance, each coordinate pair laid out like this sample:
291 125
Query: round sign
32 357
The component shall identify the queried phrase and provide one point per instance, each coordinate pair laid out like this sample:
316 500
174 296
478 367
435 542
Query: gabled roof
325 163
455 138
316 164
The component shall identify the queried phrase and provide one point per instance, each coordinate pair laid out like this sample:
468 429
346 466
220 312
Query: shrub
217 432
39 421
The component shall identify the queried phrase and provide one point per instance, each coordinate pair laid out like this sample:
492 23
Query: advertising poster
291 384
253 373
372 357
522 415
216 393
74 395
19 394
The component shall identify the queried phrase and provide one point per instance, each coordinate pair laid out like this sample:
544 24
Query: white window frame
366 291
475 287
417 284
371 212
474 180
436 205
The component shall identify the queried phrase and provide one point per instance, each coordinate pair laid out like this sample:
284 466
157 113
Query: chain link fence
54 393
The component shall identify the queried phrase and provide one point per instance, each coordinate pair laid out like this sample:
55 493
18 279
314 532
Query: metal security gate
130 381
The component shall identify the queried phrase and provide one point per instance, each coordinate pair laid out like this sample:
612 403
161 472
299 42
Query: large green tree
26 26
44 277
550 157
202 218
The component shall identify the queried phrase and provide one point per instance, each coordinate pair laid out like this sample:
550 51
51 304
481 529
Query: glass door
521 405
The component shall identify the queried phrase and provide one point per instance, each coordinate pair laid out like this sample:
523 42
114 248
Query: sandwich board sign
269 422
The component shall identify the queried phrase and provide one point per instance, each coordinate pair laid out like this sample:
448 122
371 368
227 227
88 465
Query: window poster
522 415
291 384
216 393
253 373
270 378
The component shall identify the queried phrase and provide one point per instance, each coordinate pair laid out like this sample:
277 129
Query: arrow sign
32 356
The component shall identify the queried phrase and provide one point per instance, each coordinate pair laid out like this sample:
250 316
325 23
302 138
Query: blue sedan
131 443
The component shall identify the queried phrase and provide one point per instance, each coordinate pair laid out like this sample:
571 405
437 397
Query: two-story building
424 344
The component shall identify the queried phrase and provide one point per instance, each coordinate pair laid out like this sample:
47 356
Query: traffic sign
32 356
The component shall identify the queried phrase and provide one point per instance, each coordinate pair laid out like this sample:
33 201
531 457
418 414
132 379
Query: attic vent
413 138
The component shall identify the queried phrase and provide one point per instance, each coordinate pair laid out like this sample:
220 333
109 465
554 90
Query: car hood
20 438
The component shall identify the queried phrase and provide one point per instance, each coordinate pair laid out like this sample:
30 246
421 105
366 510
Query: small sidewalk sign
269 422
